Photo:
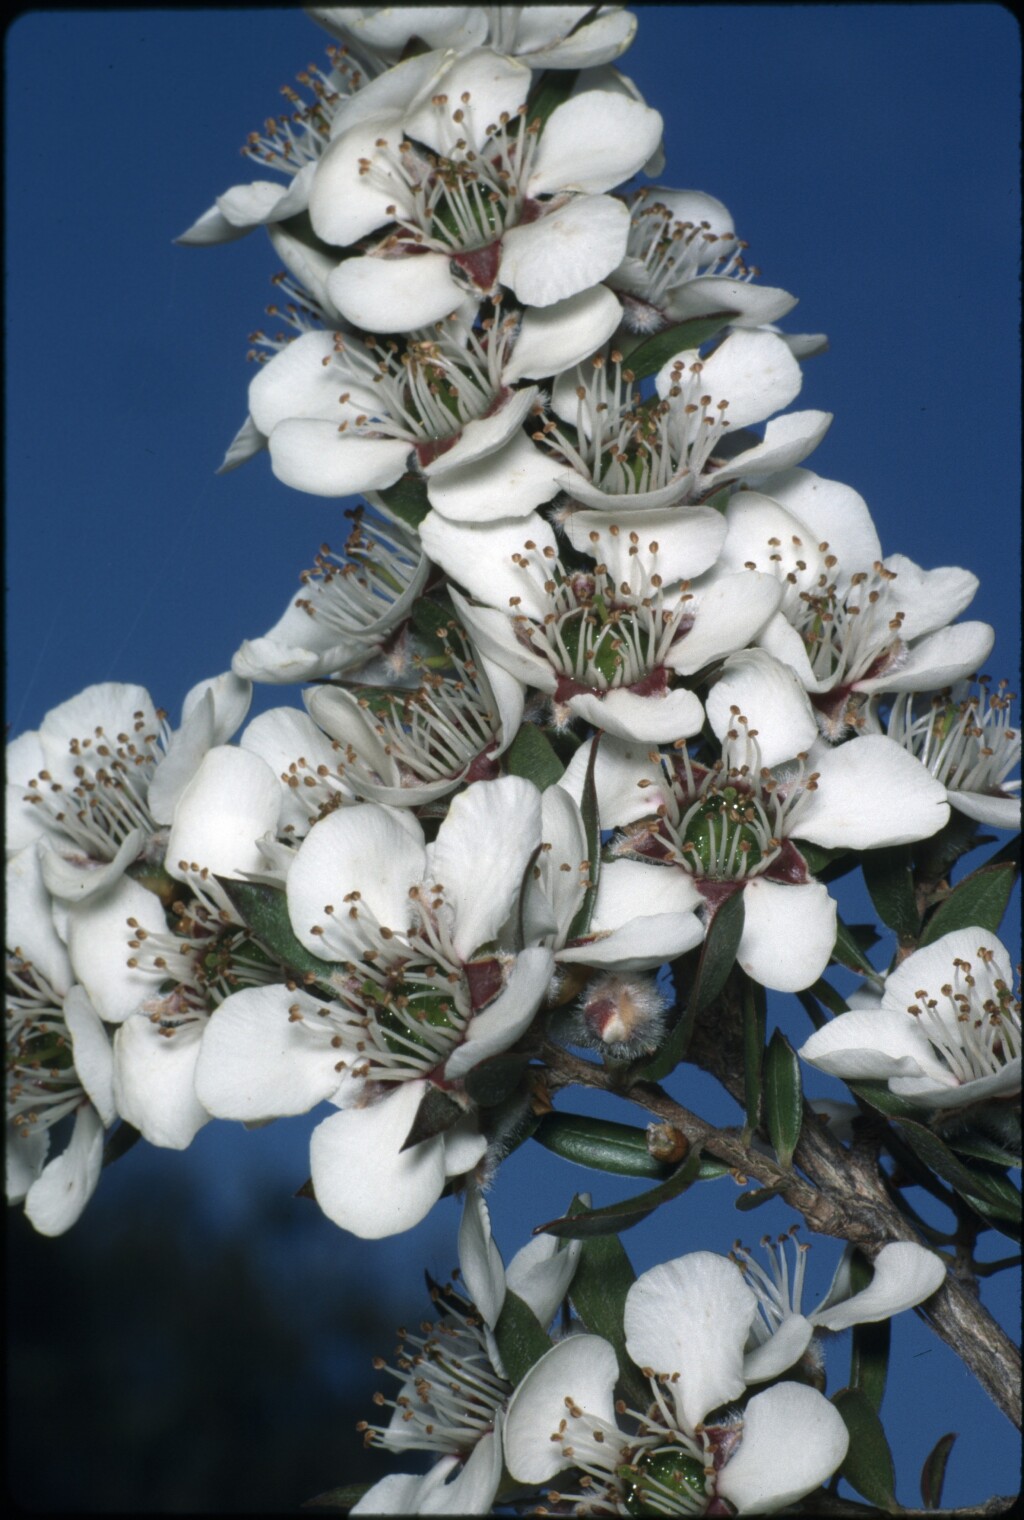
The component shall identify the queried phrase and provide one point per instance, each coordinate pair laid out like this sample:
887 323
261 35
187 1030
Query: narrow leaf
551 90
889 878
755 1005
430 617
819 859
648 357
869 1352
120 1142
827 994
436 1114
531 756
933 1473
264 911
747 1202
606 1146
868 1466
622 1216
997 1192
981 1148
849 953
717 958
877 1094
979 901
603 1277
580 925
783 1097
407 499
520 1336
493 1080
601 1144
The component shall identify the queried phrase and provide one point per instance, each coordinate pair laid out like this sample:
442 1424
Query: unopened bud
624 1016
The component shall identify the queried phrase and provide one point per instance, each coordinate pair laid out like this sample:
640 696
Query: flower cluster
600 660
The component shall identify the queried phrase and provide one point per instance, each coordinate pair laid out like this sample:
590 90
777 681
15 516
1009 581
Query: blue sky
868 155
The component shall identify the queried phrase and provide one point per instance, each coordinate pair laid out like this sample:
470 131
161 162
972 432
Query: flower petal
905 1274
59 1194
395 295
793 1440
479 1258
801 917
582 1369
567 250
510 1015
870 793
481 851
691 1317
362 1178
592 142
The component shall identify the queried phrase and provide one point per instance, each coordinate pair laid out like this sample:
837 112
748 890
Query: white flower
415 745
441 149
58 1060
351 604
607 643
629 930
686 1323
428 992
97 782
947 1032
545 37
345 415
290 145
850 623
904 1275
738 826
684 260
453 1385
627 454
965 740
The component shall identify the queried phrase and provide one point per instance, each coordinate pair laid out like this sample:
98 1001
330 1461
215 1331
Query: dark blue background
869 156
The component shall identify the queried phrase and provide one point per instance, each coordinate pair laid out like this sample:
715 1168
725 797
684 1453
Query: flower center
666 1481
596 634
974 1023
968 745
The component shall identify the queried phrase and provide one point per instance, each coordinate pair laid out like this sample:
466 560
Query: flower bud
623 1016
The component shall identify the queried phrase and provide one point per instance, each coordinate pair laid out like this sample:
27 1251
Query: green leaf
341 1499
783 1097
648 357
868 1466
981 1148
430 617
495 1079
120 1142
818 858
264 911
848 952
601 1144
436 1114
622 1216
827 994
934 857
407 499
869 1352
717 958
996 1191
979 901
889 878
580 925
747 1202
755 1005
877 1094
551 90
603 1277
520 1336
531 756
606 1146
933 1473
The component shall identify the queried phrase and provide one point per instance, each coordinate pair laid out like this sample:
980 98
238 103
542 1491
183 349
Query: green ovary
664 1482
719 831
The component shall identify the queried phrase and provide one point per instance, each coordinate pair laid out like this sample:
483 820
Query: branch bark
842 1192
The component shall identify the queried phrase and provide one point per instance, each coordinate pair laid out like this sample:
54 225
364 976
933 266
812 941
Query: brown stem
842 1193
